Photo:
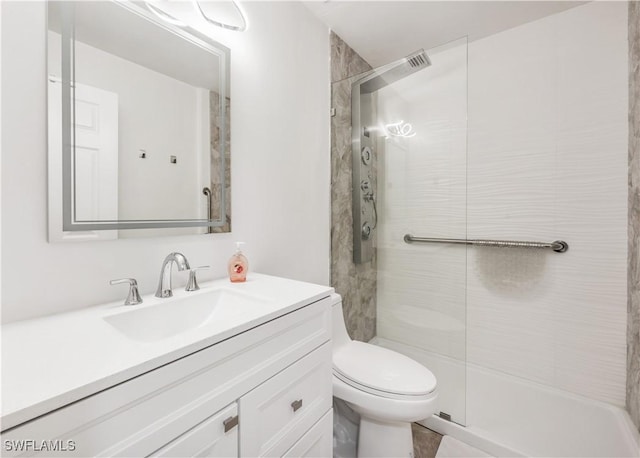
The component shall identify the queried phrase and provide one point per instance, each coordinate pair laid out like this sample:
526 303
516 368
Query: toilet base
380 439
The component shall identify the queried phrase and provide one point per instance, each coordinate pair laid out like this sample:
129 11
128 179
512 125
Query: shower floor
510 416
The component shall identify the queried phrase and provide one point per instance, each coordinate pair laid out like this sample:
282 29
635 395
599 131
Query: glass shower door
421 185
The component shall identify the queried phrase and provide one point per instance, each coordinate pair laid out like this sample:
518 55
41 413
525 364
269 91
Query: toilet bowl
387 389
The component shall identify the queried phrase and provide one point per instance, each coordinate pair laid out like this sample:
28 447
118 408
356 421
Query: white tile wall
546 160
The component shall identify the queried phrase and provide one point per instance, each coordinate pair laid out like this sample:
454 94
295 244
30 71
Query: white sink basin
177 315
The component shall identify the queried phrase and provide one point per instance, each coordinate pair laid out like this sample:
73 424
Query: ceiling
384 31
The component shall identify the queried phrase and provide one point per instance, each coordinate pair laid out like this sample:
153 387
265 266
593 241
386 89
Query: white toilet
387 389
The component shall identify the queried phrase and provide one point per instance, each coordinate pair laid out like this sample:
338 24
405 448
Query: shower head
394 71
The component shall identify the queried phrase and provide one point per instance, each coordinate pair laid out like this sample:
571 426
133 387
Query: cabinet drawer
317 442
209 438
277 413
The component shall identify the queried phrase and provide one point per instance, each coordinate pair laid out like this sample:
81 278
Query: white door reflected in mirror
96 158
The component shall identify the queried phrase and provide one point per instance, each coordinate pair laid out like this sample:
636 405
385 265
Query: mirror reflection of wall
147 121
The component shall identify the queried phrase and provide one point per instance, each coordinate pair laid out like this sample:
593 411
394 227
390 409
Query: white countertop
52 361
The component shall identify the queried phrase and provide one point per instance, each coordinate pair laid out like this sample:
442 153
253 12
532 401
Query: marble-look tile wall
633 306
216 159
355 282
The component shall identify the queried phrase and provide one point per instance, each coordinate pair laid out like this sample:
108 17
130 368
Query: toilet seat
382 372
385 409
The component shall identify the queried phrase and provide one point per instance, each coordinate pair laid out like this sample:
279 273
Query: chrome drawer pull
296 404
230 423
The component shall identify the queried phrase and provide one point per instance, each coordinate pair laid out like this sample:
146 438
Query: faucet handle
133 297
192 284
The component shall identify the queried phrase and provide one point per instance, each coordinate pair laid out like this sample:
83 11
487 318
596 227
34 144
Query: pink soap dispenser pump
238 265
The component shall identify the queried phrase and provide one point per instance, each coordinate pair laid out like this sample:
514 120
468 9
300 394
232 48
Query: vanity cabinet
264 392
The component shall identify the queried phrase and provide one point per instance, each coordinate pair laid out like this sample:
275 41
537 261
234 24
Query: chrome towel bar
559 246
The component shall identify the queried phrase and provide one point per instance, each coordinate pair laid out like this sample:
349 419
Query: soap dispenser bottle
238 265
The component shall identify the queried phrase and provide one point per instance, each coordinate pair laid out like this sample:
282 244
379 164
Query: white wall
280 168
546 160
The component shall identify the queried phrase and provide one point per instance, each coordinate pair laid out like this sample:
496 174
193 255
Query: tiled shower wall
355 282
633 306
216 159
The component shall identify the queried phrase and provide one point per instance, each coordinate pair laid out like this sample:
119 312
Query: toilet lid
382 370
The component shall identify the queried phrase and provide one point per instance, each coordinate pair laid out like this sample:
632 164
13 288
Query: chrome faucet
164 285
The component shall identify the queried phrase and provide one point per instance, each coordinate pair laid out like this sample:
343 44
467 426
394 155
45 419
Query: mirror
138 124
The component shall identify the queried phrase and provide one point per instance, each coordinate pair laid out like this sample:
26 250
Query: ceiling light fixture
162 14
205 9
